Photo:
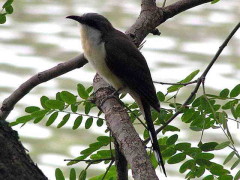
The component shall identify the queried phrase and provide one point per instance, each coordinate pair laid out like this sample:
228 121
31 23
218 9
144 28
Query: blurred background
37 37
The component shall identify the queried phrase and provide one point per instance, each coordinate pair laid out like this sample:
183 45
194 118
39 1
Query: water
37 37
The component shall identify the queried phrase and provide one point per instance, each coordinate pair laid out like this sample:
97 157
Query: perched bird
116 58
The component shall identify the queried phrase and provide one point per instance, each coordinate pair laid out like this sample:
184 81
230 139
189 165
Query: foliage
205 112
7 8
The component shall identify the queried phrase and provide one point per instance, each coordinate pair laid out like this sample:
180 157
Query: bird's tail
153 135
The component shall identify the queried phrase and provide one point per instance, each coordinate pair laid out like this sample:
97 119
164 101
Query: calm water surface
37 37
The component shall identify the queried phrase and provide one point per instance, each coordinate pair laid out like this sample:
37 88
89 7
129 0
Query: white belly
95 53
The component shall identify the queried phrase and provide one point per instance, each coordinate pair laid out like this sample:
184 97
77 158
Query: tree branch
15 163
121 163
130 144
62 68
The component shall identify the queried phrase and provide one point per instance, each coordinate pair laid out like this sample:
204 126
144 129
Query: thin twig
144 125
200 80
166 83
108 169
89 160
164 3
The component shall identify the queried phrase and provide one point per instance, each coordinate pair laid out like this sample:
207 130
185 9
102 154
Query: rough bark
15 163
120 162
122 129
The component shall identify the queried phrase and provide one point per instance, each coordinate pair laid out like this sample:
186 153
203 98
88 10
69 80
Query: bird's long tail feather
153 135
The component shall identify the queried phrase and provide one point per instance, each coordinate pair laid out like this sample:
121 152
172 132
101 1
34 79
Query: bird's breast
94 51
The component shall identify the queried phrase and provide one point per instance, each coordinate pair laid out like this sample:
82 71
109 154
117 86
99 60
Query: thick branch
14 162
123 131
152 17
62 68
120 162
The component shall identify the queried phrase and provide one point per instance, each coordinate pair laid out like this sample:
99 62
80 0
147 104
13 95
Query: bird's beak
76 18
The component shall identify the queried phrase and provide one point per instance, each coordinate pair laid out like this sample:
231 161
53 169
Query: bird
120 63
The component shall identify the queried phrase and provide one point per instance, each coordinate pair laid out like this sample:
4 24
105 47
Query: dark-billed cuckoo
121 64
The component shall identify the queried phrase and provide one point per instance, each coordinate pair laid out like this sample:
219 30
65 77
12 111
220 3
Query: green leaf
52 118
59 174
225 177
9 9
24 119
13 123
38 119
224 93
7 3
187 116
72 175
88 123
187 165
171 140
76 160
74 107
43 100
210 146
209 177
170 128
2 18
234 112
229 157
99 122
176 158
237 176
88 107
68 97
83 175
207 156
182 146
77 122
31 109
58 96
104 153
193 151
190 76
96 145
161 96
222 145
174 88
39 113
204 162
235 91
238 111
235 164
217 169
200 171
90 89
105 139
214 1
55 104
169 152
82 91
64 121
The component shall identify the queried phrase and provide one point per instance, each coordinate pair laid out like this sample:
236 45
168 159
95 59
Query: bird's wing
128 64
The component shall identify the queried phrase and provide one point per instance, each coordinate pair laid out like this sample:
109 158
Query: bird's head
93 20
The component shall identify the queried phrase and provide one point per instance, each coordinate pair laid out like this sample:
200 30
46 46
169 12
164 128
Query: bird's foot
115 95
